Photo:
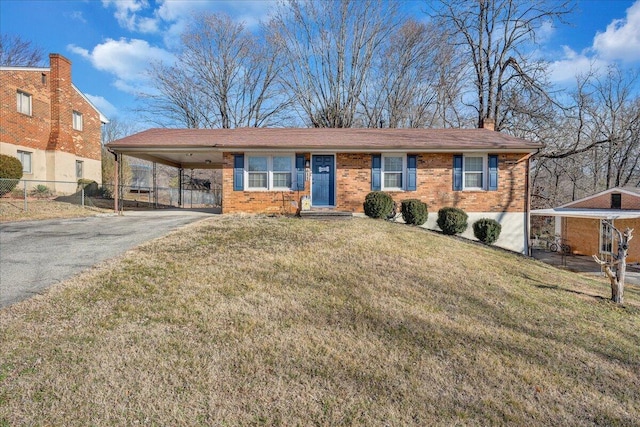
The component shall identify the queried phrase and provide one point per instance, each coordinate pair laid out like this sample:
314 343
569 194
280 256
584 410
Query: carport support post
121 186
155 186
116 173
180 177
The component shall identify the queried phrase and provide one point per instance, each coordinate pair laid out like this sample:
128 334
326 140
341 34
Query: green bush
90 187
452 220
105 192
414 211
41 191
487 230
10 173
378 204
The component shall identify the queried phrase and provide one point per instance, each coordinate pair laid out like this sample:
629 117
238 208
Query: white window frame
23 155
77 120
79 168
606 237
270 171
485 171
403 171
23 98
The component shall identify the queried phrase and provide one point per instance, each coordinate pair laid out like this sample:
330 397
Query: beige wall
55 166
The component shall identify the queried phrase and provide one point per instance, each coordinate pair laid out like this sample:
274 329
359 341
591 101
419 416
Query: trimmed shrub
10 173
378 204
487 230
90 187
452 220
414 211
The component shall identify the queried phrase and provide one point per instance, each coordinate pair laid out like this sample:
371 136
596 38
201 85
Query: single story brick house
270 170
581 224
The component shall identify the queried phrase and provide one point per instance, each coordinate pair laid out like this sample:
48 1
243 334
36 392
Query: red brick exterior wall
353 183
583 235
50 126
629 202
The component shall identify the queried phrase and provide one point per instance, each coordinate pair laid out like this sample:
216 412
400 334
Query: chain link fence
22 193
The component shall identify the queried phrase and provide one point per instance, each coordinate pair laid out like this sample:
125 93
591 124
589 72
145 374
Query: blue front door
323 185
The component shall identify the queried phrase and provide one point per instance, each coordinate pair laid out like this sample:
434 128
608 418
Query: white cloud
621 40
78 16
127 60
126 11
169 17
103 105
572 64
545 32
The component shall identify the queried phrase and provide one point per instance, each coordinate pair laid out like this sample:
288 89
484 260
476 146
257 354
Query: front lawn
264 321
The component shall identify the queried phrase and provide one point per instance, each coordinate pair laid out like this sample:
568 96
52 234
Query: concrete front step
325 214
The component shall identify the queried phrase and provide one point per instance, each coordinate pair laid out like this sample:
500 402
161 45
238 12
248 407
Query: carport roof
588 213
205 146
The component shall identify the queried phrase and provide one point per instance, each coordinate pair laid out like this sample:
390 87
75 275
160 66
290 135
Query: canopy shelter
607 214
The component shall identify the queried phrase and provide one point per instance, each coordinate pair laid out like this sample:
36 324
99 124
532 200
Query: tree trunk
617 288
620 263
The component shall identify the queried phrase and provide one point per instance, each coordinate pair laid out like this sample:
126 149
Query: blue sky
111 42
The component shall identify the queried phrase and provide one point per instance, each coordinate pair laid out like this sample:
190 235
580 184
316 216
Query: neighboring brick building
270 170
581 224
50 125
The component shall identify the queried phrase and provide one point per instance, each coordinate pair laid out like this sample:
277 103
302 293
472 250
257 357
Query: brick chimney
489 124
61 106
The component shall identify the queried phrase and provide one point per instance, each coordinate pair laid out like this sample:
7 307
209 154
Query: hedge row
451 221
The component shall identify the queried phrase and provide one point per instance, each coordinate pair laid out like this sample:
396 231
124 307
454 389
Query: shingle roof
327 139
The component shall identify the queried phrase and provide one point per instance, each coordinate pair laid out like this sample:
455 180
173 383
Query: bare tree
112 131
494 35
407 85
17 52
619 263
616 118
594 143
177 99
327 51
234 69
224 77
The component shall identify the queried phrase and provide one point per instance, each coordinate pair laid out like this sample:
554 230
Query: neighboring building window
25 159
77 120
616 201
269 172
79 169
24 103
473 168
392 172
606 237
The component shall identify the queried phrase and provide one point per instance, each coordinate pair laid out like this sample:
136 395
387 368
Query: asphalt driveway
37 254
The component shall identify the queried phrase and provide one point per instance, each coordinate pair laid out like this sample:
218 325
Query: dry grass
13 210
249 321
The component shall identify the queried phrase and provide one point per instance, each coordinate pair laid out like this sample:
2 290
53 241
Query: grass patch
249 321
13 210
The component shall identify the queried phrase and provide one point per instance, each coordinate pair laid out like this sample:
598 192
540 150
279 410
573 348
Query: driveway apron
37 254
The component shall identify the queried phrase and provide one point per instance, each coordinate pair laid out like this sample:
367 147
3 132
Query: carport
153 146
594 237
